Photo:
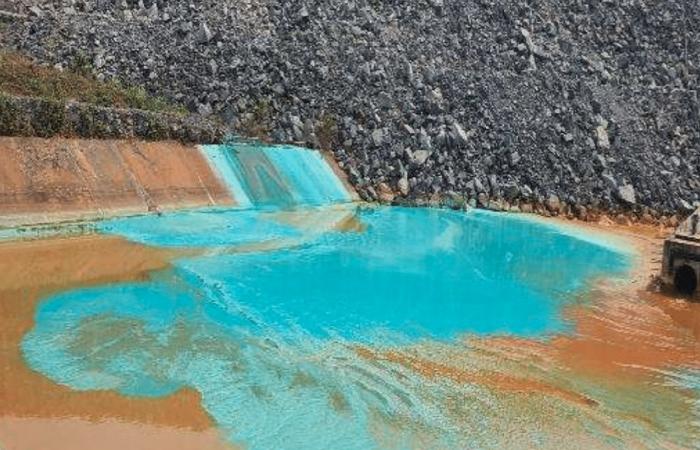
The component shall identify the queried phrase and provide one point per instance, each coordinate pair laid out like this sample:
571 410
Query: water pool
296 319
281 339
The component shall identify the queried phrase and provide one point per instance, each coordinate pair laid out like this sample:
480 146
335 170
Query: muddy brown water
36 413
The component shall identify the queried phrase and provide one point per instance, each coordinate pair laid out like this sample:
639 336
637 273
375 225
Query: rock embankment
565 107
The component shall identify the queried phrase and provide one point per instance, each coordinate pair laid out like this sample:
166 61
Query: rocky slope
571 105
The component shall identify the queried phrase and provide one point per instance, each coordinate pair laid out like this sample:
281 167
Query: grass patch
256 124
21 77
327 132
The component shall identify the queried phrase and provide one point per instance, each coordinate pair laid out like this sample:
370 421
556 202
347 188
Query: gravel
571 107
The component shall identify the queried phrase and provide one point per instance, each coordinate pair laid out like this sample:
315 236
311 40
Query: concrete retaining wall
47 180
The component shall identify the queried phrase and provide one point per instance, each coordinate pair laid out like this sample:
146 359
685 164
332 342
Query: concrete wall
47 180
681 250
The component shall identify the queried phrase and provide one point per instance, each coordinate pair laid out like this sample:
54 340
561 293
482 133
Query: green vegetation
256 124
327 131
21 77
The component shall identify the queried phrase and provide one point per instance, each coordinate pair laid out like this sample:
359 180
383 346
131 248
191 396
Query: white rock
602 139
403 186
419 157
627 194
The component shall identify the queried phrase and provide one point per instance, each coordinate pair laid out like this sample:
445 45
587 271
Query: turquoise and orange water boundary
354 326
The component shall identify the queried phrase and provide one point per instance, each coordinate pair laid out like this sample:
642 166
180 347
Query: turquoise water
200 228
262 175
264 311
267 334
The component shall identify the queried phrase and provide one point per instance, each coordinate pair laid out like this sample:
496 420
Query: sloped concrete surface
46 180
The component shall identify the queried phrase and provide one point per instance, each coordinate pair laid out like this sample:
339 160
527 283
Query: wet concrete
48 180
38 413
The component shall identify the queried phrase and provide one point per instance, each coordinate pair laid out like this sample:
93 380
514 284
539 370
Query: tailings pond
300 319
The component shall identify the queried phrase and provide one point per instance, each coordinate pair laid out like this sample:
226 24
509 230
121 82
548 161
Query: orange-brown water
605 375
36 413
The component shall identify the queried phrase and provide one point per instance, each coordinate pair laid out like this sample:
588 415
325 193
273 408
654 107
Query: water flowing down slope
262 176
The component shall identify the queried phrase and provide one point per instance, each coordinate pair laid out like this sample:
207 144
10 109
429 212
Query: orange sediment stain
619 336
49 180
626 337
494 380
33 269
72 433
633 330
627 330
340 173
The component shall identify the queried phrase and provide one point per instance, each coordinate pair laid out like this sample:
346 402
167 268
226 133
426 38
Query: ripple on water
269 338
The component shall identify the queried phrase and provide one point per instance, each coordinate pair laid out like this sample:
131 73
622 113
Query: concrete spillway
276 175
51 180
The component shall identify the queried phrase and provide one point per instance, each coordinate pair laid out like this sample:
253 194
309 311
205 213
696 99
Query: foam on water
267 336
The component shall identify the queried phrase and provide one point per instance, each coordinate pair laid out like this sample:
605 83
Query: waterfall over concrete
261 175
56 180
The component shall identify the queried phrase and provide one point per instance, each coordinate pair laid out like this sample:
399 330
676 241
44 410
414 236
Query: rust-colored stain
71 434
55 177
494 380
31 270
340 173
621 337
633 331
624 337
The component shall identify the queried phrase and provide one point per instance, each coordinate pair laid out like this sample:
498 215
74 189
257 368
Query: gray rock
378 137
626 193
514 158
98 61
204 35
36 11
152 12
204 109
553 204
602 139
403 186
419 157
424 140
461 136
